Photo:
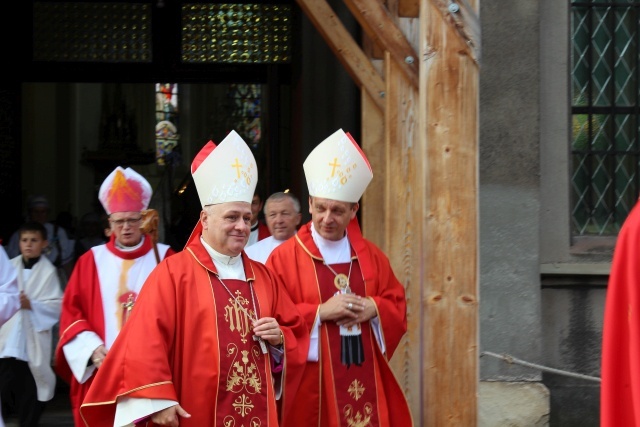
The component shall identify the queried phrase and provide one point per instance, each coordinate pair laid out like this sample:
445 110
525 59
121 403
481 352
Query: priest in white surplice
282 213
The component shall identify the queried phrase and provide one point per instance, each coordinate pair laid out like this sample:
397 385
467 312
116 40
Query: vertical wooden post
448 120
403 219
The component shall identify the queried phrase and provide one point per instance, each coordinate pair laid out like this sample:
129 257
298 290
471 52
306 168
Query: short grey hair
280 195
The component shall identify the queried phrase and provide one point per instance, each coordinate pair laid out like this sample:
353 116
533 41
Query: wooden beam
371 48
408 8
462 15
379 26
449 121
345 48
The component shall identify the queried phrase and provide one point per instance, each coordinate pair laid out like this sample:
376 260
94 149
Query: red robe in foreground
297 262
170 347
83 306
620 387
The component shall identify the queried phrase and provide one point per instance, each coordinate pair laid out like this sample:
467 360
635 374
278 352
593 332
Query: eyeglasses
121 222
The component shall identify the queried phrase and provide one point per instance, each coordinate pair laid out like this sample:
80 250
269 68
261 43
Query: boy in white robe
27 380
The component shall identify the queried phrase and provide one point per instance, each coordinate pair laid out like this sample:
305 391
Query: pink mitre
125 190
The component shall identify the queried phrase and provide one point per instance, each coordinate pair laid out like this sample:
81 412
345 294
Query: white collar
123 248
229 267
333 251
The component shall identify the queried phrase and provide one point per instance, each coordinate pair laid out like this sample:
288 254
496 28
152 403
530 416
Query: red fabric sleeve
82 293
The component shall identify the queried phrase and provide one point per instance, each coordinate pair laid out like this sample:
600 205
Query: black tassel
352 352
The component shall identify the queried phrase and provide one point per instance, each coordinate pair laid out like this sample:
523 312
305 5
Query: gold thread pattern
356 390
356 418
237 316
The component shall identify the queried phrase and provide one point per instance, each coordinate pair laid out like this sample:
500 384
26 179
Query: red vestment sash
244 370
354 386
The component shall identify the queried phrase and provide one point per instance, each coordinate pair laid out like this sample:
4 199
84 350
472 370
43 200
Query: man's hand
268 329
170 416
98 355
342 308
368 311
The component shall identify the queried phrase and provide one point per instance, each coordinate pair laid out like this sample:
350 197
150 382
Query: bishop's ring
350 306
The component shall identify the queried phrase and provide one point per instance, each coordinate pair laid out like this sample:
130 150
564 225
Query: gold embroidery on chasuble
354 384
243 393
126 298
235 313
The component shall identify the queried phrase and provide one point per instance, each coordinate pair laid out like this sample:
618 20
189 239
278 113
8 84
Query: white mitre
226 172
337 169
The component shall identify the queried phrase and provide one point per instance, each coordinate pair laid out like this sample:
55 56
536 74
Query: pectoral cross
263 346
127 306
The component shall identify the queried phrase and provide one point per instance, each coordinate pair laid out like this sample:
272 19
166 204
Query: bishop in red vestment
620 387
353 305
213 340
104 284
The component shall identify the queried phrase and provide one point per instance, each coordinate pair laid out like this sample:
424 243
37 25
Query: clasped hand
347 309
25 302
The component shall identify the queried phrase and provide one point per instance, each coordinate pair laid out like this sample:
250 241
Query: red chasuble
187 340
331 394
620 387
82 310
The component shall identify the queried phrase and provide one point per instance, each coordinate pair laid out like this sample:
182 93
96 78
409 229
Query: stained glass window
246 111
167 124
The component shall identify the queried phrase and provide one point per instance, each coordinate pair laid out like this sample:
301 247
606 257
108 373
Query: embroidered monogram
250 314
238 317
